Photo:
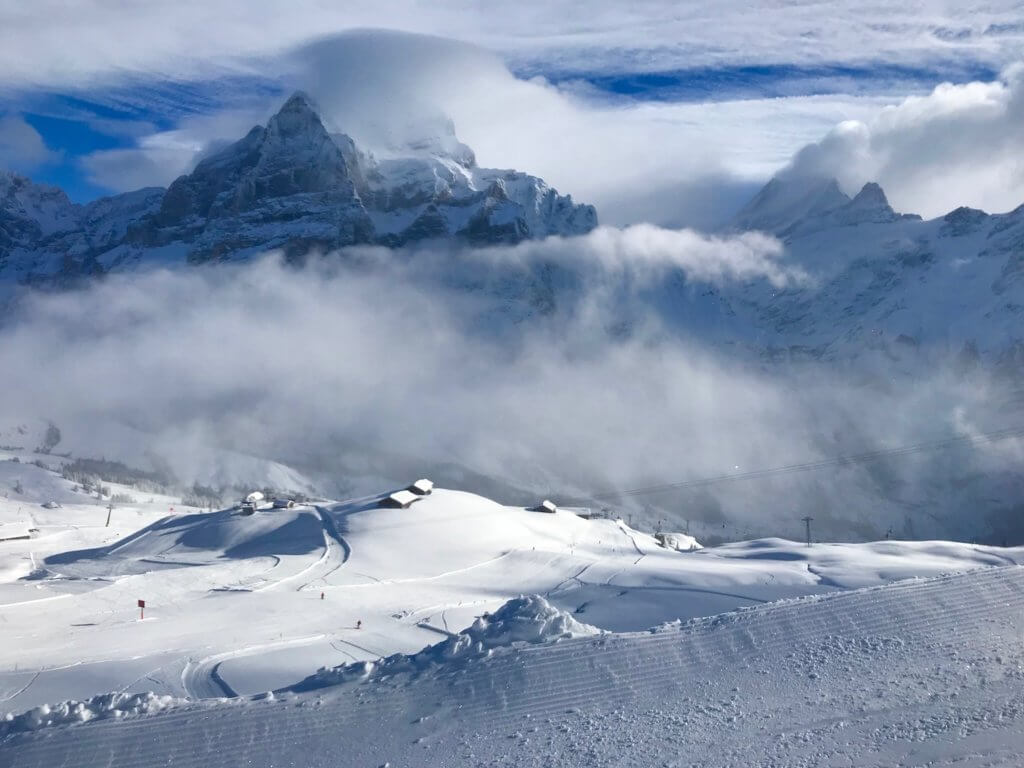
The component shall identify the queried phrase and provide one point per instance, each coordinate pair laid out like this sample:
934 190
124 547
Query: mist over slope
535 370
301 305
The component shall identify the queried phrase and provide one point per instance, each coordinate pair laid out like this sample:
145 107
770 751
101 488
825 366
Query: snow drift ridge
528 619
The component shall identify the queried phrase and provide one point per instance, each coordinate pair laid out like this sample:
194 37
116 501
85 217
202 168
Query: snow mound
528 619
680 542
108 705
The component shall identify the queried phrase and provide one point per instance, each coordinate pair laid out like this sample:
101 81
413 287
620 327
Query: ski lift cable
857 458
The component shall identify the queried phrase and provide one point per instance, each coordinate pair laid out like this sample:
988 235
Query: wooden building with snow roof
421 487
400 499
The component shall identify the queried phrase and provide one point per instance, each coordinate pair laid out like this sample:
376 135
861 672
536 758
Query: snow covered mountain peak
790 205
785 202
291 185
871 194
870 205
302 104
889 284
297 125
425 184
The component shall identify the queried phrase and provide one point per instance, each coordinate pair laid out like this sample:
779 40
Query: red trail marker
142 609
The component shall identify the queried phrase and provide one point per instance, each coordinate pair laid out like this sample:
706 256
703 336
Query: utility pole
110 508
807 523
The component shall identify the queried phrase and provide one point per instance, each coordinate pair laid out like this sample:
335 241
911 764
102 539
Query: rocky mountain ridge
883 283
289 185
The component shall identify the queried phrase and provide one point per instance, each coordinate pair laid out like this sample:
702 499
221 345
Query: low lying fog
494 371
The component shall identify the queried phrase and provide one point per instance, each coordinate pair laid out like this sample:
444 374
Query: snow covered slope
464 630
923 672
290 185
238 604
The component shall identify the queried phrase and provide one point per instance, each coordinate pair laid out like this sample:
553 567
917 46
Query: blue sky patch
770 81
76 125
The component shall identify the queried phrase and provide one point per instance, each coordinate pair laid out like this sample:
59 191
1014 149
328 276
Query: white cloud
670 163
958 145
124 170
647 162
21 146
649 251
160 157
53 43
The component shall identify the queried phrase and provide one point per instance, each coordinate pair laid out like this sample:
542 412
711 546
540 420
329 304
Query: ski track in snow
335 554
201 679
35 676
918 672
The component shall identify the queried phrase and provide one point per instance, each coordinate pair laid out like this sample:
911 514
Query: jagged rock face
289 185
292 155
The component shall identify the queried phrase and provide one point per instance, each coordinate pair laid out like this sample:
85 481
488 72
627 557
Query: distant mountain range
289 185
883 282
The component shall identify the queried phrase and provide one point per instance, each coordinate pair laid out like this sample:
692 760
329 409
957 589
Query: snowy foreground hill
401 636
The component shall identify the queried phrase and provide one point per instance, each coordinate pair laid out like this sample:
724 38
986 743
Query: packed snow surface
463 627
922 672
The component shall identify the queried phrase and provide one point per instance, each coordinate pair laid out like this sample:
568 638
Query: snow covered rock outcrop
291 185
530 619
